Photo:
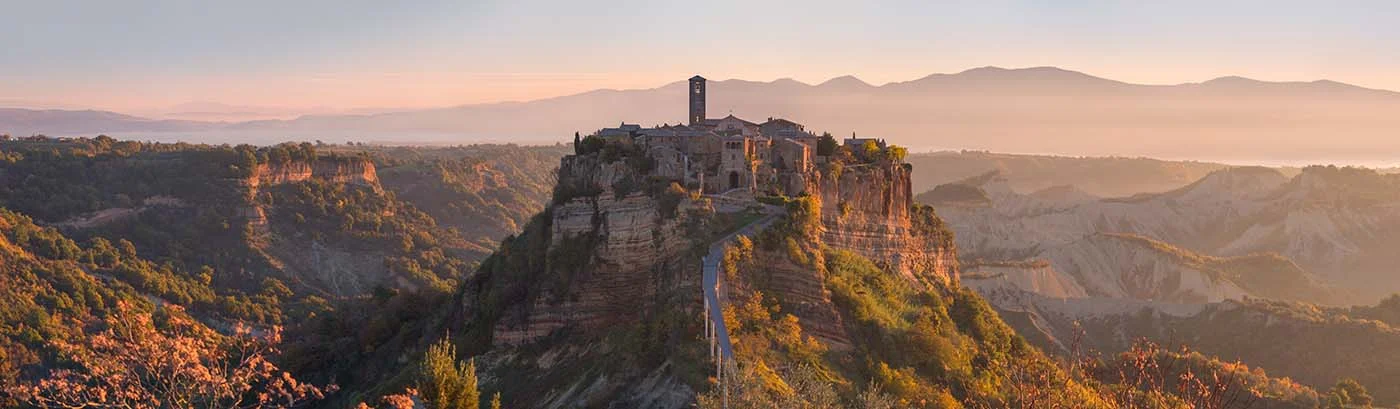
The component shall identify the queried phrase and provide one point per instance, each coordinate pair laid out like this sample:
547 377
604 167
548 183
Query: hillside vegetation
315 219
94 325
900 343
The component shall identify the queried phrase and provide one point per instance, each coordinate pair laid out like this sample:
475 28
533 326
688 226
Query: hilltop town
736 157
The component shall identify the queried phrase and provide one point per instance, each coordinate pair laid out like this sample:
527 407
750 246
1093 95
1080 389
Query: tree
576 143
826 145
1348 393
132 364
590 144
896 154
805 217
869 150
445 382
274 288
496 401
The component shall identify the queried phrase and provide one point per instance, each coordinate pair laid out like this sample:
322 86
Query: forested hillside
100 230
314 219
95 325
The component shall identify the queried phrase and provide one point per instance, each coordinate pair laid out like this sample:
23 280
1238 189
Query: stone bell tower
697 100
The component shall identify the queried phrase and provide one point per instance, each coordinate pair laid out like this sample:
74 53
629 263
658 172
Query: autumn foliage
141 360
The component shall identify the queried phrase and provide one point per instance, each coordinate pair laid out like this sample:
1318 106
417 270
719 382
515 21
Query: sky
152 56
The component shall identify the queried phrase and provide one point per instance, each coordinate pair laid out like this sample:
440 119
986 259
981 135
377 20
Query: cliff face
616 255
356 171
866 209
633 252
353 170
338 271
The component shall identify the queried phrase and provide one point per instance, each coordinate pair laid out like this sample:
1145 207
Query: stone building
727 155
697 100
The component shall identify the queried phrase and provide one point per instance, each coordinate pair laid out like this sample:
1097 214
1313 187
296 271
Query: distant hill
1098 176
25 122
1042 109
1337 224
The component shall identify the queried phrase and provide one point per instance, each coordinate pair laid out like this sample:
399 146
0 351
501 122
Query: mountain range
1041 110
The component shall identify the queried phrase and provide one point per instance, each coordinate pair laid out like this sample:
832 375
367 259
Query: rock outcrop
616 248
358 171
633 252
337 170
866 209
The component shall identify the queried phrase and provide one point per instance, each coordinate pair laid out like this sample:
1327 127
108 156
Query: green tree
274 288
869 150
896 154
805 217
826 145
590 144
445 382
1348 393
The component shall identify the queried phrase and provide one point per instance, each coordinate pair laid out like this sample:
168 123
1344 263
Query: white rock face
1333 223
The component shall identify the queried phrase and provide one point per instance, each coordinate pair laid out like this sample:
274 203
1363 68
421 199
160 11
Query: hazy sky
149 55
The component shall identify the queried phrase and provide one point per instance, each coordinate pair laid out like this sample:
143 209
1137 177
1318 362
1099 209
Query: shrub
591 144
670 199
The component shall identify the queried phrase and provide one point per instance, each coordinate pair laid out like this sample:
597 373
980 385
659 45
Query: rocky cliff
621 250
359 171
866 209
336 170
617 254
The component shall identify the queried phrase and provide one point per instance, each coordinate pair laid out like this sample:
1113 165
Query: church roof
698 78
780 121
731 116
792 133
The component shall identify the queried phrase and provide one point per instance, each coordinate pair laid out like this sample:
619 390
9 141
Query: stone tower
697 100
